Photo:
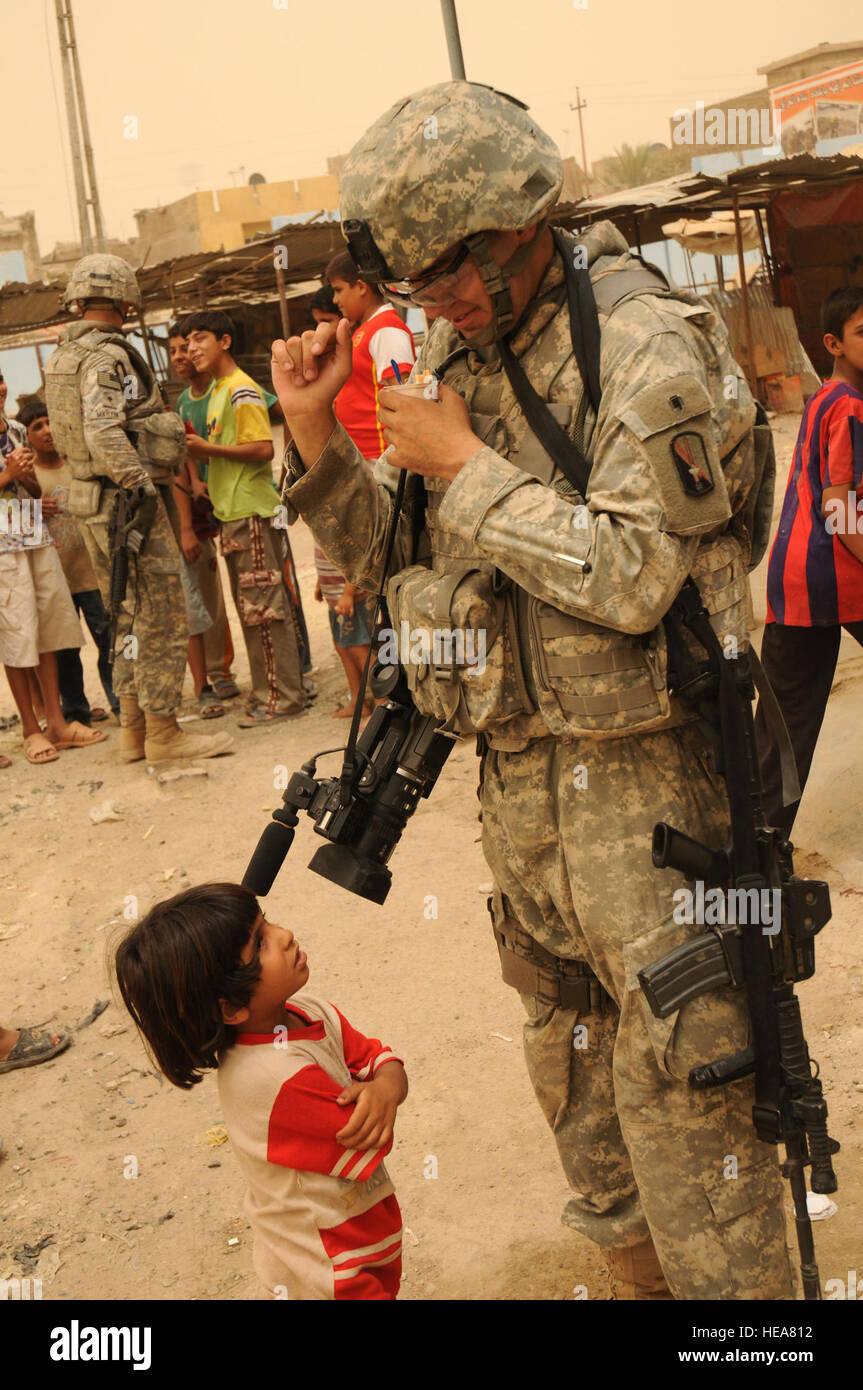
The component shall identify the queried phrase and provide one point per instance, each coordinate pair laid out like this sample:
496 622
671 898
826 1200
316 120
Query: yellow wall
228 216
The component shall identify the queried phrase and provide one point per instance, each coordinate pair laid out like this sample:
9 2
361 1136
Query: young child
55 479
815 573
379 338
37 616
309 1102
238 449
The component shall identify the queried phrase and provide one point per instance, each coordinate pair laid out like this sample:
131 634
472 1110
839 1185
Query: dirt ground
487 1225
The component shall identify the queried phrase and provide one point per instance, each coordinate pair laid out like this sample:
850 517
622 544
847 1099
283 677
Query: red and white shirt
377 343
325 1218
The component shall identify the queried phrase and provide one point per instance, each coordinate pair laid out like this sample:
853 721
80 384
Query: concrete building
226 217
18 234
810 62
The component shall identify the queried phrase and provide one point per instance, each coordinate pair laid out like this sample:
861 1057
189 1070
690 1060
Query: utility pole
453 40
579 107
85 133
74 141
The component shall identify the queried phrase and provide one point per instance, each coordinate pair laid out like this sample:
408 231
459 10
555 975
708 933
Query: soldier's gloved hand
139 528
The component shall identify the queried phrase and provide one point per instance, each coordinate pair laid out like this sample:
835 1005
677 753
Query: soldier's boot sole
637 1274
165 740
132 730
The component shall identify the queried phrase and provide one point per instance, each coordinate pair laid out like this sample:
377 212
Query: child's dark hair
175 965
839 307
209 321
32 409
323 300
175 330
342 267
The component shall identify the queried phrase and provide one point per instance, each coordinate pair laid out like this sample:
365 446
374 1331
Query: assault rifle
130 521
789 1104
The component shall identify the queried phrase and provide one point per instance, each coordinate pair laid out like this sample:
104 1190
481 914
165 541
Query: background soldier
109 421
584 748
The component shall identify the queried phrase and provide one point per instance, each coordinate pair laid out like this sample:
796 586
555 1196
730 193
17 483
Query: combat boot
165 739
132 729
636 1273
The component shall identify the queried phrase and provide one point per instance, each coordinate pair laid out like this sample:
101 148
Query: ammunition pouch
594 681
532 970
84 497
462 660
160 441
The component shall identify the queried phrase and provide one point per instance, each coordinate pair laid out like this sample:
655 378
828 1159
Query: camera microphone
269 856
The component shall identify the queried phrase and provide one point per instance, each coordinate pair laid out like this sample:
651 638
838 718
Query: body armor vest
157 435
546 671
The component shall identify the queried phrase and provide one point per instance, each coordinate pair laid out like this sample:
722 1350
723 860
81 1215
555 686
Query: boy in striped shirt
309 1102
815 573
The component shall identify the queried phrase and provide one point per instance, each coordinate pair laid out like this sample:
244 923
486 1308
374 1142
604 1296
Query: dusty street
474 1164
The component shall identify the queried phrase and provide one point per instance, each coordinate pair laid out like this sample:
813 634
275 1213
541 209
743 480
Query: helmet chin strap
496 280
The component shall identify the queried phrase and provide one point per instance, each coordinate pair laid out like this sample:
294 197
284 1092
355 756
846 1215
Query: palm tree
629 166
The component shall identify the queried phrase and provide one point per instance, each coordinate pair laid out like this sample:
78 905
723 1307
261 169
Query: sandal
82 737
252 718
226 689
32 1048
98 714
209 707
39 749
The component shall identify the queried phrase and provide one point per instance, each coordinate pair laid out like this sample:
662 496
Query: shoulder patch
109 381
672 421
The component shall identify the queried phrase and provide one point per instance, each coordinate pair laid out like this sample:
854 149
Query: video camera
364 811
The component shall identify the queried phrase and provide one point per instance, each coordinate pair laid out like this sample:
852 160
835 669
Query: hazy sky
277 85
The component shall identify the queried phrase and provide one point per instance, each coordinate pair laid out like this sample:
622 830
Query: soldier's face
4 392
179 355
472 310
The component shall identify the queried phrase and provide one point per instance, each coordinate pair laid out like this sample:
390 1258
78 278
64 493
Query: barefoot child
309 1102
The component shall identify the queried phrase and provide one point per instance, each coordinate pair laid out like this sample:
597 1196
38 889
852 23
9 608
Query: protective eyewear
441 288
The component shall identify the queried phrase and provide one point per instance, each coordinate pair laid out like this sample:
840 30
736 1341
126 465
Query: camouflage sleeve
621 559
349 510
103 407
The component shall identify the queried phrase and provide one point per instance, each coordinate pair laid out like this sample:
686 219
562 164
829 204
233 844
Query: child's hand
371 1125
345 604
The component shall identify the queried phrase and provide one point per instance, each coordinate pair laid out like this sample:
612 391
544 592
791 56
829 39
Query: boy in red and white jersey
309 1102
379 337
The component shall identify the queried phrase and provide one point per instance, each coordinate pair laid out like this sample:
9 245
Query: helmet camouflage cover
101 276
441 165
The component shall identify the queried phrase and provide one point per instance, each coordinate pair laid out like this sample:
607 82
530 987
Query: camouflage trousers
567 827
255 570
152 634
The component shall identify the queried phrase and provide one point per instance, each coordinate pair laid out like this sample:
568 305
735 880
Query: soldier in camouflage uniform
448 194
109 422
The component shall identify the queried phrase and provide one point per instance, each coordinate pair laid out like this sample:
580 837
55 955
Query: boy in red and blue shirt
815 573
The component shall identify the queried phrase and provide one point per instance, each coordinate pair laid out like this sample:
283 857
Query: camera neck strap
585 334
349 764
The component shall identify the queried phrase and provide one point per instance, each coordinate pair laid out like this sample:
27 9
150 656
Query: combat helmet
444 166
101 276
